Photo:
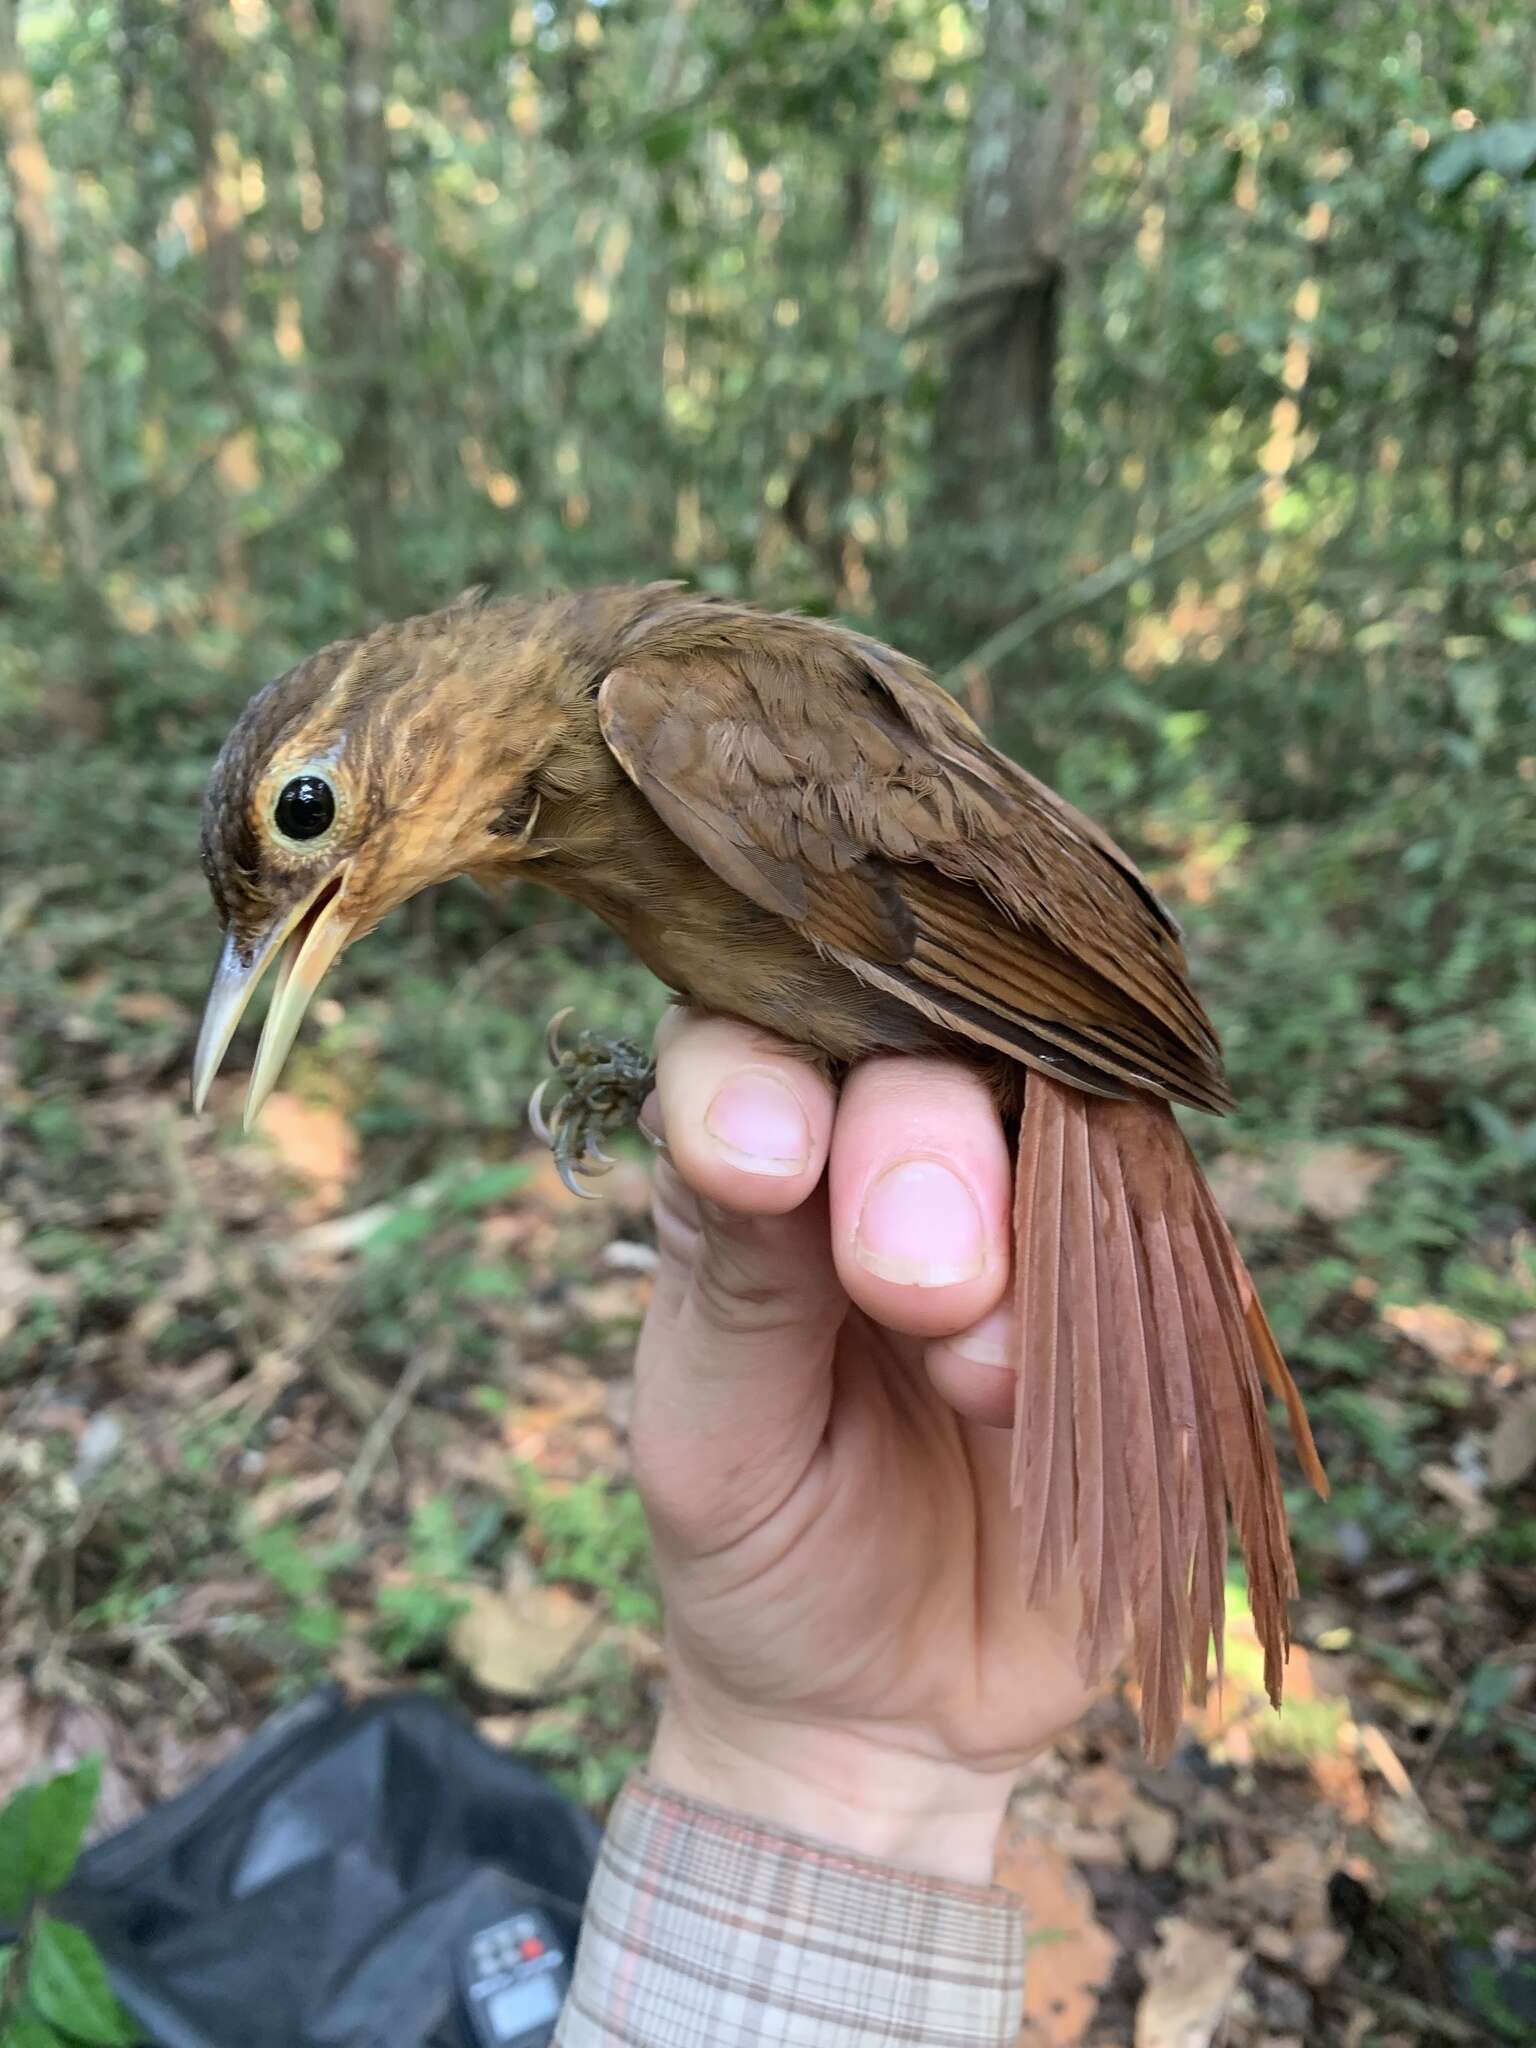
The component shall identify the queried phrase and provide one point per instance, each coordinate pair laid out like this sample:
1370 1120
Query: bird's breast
719 950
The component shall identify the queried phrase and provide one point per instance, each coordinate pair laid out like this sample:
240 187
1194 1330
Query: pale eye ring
305 807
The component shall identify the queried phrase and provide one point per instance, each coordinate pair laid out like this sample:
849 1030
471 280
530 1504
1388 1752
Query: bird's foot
605 1082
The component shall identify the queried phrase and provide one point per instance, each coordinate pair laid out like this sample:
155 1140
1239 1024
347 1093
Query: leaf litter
210 1496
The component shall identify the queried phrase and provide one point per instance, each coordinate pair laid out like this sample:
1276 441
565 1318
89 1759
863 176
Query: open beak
305 943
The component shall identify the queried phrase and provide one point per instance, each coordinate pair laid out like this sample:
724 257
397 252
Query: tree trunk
311 142
31 185
218 189
995 456
366 313
28 486
222 216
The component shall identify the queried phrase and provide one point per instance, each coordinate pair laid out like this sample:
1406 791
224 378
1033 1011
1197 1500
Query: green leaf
28 2031
667 141
488 1184
41 1829
67 1982
1517 625
1489 1687
1508 147
404 1227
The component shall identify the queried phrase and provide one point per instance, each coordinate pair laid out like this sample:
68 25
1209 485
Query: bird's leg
604 1083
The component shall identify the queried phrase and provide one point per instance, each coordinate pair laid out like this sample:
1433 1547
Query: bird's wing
831 782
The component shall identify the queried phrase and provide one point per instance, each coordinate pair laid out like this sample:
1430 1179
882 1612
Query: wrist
847 1786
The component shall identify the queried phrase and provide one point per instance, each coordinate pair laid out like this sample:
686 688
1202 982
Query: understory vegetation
1166 378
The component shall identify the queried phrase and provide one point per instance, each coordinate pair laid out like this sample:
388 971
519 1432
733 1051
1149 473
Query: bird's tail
1140 1419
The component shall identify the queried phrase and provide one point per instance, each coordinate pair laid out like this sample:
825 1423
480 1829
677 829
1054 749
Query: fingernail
759 1125
989 1342
921 1227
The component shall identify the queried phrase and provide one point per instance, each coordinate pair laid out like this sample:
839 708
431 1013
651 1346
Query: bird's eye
305 807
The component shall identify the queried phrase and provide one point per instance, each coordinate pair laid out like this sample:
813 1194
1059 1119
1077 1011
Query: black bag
316 1890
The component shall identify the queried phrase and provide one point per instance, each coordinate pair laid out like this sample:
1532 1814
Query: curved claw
552 1035
567 1173
597 1160
537 1121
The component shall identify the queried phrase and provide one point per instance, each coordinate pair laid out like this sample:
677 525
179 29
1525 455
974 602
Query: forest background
1165 375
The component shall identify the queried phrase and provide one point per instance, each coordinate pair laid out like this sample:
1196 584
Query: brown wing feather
831 783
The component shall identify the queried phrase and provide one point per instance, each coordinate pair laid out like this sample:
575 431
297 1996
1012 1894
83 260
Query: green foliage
593 1534
412 1610
68 1986
1445 1881
588 1745
413 1616
41 1830
1507 148
54 1991
305 1573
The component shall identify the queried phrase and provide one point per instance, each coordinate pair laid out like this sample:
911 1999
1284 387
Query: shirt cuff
706 1928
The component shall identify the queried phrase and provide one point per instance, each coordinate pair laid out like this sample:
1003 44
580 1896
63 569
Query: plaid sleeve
707 1929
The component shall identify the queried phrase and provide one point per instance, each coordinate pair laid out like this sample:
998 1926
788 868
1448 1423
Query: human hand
818 1439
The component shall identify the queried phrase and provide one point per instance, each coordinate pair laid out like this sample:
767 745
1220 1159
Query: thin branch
1103 582
381 1433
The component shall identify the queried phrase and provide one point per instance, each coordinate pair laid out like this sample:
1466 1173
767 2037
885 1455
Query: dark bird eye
305 807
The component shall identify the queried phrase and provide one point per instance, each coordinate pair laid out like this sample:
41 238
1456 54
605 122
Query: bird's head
368 772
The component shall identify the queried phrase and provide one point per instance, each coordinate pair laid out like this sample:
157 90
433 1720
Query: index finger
745 1118
922 1195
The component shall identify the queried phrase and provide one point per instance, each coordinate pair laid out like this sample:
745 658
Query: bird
792 824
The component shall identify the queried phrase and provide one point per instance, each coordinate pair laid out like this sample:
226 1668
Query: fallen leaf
623 1256
1385 1758
1404 1827
1512 1446
211 1602
315 1142
150 1006
1338 1778
1326 1178
1334 1181
294 1496
621 1300
1290 1888
1319 1954
1457 1341
1463 1494
522 1642
1191 1979
1152 1835
1103 1796
1070 1954
1246 1196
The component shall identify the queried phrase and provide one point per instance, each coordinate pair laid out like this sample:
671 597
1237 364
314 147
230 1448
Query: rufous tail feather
1140 1420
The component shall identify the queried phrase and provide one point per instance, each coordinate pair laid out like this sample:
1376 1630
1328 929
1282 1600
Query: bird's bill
304 943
